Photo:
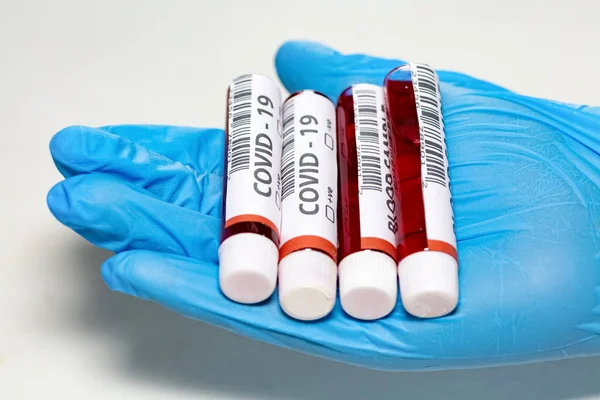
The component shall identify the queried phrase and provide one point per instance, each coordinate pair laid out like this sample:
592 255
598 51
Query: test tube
248 254
367 209
428 267
308 251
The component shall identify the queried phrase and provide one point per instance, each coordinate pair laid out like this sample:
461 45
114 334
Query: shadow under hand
157 346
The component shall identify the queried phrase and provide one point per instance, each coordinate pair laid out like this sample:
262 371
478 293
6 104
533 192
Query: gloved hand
526 187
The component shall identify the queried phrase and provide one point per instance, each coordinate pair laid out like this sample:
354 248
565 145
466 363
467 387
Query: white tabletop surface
63 333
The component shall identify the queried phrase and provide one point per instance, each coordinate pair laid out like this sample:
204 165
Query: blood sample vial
367 221
428 267
308 250
248 254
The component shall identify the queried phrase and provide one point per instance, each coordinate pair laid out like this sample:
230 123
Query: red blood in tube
348 210
404 124
428 260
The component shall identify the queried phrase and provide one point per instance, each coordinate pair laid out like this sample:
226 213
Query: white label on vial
309 175
437 200
377 197
254 152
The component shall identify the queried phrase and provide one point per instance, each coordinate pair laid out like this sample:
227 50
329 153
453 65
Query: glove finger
309 65
190 288
119 216
199 148
592 110
82 150
475 335
491 326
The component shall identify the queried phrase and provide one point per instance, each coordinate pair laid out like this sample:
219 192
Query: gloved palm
526 187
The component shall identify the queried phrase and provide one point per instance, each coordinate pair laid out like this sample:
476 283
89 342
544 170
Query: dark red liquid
348 206
240 227
404 129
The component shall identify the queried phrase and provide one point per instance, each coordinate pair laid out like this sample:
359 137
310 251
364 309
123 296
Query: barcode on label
368 143
240 109
288 173
428 107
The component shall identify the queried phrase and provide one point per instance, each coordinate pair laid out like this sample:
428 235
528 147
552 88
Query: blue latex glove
526 187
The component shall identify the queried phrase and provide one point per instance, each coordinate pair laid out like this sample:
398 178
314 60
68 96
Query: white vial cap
248 267
368 284
307 284
428 283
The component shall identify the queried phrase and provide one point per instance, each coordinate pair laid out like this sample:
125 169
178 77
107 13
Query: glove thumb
309 65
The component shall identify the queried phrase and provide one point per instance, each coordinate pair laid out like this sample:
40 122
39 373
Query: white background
169 62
